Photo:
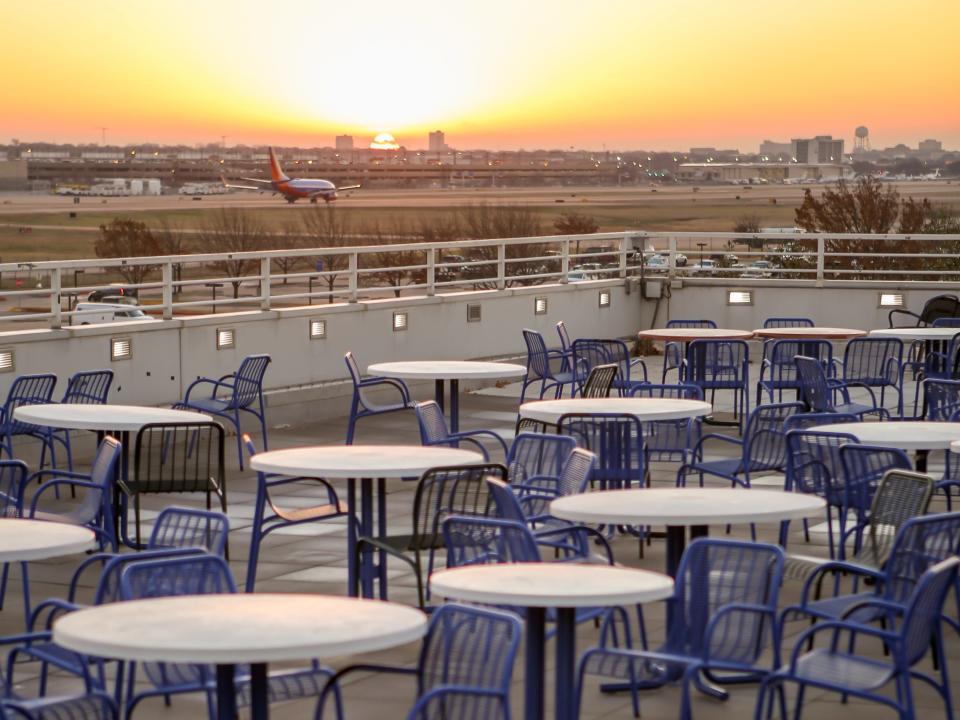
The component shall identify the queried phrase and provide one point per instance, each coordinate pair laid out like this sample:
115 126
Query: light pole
310 279
213 294
701 245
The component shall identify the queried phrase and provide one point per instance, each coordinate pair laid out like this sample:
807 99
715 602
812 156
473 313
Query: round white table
679 508
363 462
687 335
809 333
921 334
644 409
921 435
244 628
102 419
563 586
450 370
22 540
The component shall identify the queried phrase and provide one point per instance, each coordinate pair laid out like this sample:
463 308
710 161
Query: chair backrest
538 455
939 307
900 496
599 382
717 363
178 457
813 384
679 391
564 336
590 352
814 466
248 381
506 504
538 361
873 360
487 541
864 466
108 584
352 368
691 324
780 353
922 618
615 439
98 503
469 648
764 438
90 387
806 420
577 472
941 398
432 423
13 474
27 390
200 574
445 491
948 322
178 527
784 322
922 541
715 573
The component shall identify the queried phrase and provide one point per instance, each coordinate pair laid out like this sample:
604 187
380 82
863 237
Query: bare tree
233 231
171 239
573 223
290 237
124 238
394 261
485 221
327 227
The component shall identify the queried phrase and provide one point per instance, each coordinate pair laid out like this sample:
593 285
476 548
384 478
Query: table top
920 333
646 409
22 539
240 628
447 369
103 417
685 506
955 446
564 585
809 333
355 461
902 434
688 334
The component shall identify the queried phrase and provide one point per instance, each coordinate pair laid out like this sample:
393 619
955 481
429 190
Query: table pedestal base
565 690
362 570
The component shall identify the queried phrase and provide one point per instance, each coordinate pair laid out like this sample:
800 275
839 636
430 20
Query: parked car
656 262
681 260
90 313
703 267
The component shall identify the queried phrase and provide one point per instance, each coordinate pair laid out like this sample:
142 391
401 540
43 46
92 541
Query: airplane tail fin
276 174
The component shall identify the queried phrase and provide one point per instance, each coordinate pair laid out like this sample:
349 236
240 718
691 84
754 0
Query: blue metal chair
90 387
434 431
941 401
268 515
673 352
574 477
785 322
242 390
939 306
670 440
180 527
863 468
761 450
535 460
723 620
94 705
200 575
547 367
600 381
818 391
362 406
617 442
464 668
778 372
27 390
933 359
589 353
874 362
839 669
566 345
720 365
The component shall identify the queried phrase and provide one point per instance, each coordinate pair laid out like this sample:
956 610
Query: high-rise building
344 143
930 146
773 149
437 142
821 149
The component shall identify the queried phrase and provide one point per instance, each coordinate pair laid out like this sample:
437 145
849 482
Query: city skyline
497 75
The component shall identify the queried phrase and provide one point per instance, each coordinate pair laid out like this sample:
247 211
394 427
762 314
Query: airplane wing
223 180
348 187
258 180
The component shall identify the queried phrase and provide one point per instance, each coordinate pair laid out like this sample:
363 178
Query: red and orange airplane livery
293 189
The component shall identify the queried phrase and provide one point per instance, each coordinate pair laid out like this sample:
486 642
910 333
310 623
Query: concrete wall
168 355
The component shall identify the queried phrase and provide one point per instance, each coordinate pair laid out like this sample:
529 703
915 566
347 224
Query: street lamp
213 294
701 245
310 279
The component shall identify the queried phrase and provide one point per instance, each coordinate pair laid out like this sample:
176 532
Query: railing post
672 256
565 260
167 290
431 272
56 320
821 247
501 266
352 277
265 283
624 242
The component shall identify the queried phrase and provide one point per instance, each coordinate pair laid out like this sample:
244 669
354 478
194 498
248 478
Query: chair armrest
836 566
206 381
837 627
892 607
714 436
903 312
745 608
35 500
53 607
335 678
571 531
394 382
441 692
468 434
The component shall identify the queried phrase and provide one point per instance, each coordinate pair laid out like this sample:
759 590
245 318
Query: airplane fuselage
298 188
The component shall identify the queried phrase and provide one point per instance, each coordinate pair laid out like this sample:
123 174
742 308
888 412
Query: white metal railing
182 284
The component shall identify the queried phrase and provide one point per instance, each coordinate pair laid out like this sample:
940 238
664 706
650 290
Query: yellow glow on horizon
499 73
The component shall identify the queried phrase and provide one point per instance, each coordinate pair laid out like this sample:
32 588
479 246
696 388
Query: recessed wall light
540 305
6 360
226 338
121 348
603 299
399 321
473 313
891 299
739 297
318 329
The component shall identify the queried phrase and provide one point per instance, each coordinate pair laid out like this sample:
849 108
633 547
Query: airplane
292 189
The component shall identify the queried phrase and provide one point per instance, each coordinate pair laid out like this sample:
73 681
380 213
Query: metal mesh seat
818 391
434 431
874 362
174 458
362 405
589 353
91 706
441 492
27 390
550 368
778 372
724 619
599 382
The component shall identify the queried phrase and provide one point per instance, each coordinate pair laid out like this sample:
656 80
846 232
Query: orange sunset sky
501 74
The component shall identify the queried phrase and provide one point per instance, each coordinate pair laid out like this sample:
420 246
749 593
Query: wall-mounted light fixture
740 297
399 321
318 329
540 305
891 299
226 338
603 299
473 313
121 348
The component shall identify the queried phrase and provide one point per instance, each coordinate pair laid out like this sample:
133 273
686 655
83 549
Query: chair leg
253 556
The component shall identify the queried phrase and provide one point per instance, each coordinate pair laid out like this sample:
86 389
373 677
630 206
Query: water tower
861 141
